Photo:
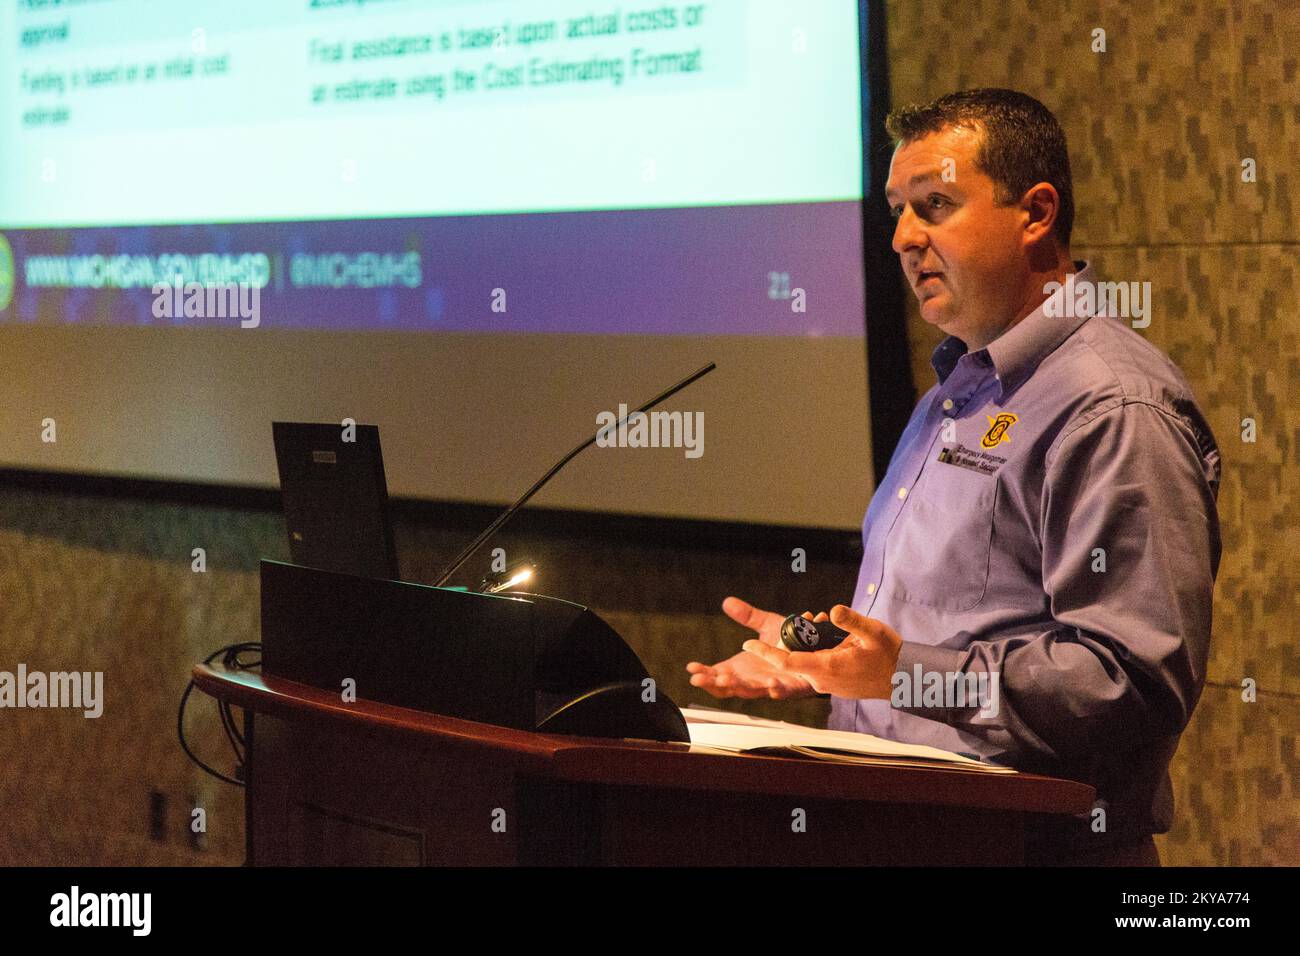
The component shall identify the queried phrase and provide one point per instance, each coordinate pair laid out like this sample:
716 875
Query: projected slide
553 166
476 225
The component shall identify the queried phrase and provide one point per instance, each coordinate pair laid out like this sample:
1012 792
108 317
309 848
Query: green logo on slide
6 274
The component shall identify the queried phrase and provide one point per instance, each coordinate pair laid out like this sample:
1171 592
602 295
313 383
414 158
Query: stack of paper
739 733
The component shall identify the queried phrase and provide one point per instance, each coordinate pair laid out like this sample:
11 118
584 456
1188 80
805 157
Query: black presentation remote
800 634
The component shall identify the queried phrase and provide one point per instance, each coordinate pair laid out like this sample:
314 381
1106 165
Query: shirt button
947 404
871 588
902 493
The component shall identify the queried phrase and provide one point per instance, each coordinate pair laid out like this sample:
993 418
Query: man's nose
908 233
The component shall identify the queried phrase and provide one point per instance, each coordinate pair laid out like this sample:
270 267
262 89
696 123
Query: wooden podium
331 783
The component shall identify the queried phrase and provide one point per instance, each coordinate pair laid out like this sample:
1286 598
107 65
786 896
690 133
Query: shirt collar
1017 352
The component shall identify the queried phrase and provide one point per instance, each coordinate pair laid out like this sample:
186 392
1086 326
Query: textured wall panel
1158 124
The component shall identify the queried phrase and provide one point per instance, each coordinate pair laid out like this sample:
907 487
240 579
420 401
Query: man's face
962 253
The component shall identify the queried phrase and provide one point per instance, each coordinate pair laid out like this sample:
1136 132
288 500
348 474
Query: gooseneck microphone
496 525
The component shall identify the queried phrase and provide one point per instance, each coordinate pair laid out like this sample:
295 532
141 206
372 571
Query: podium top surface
641 763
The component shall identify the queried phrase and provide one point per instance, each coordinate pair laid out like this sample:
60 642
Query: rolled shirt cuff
915 663
930 658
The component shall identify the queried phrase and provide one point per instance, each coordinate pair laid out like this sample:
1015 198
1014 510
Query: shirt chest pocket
937 552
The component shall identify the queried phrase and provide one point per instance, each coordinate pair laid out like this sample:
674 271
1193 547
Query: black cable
180 730
232 735
232 662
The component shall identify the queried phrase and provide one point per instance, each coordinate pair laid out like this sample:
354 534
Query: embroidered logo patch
998 428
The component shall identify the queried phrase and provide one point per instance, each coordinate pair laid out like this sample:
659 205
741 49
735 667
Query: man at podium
1048 520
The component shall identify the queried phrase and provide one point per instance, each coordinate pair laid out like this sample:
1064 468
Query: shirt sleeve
1130 547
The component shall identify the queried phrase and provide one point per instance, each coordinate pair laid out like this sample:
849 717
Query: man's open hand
861 666
747 674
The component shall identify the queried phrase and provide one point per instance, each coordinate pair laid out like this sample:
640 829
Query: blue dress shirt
1049 517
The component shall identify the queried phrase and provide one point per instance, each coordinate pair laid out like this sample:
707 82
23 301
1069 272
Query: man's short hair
1022 143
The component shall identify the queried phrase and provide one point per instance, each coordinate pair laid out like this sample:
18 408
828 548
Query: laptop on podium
336 498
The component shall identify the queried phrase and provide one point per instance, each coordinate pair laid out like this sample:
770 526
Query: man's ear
1043 204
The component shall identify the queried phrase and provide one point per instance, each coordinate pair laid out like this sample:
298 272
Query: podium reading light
509 579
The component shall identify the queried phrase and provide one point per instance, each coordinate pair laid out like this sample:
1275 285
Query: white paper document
737 733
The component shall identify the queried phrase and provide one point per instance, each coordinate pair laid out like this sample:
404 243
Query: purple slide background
695 271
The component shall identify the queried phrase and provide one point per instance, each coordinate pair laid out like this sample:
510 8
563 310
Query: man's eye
937 202
895 211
